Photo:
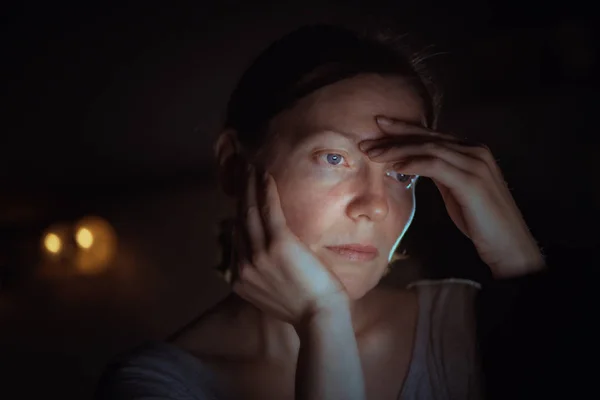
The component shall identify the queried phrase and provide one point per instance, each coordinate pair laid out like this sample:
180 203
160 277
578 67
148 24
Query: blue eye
334 158
403 178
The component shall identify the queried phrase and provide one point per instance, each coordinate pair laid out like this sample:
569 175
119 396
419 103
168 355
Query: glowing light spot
52 243
97 242
84 238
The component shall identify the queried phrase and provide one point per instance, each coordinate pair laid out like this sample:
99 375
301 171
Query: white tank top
444 365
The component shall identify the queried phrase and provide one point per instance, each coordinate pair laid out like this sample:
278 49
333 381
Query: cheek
308 211
397 226
312 209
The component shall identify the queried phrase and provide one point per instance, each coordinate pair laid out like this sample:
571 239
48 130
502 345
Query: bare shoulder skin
257 356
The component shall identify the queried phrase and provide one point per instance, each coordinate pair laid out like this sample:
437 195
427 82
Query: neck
278 340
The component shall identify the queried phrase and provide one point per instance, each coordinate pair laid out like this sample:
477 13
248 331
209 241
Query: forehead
351 105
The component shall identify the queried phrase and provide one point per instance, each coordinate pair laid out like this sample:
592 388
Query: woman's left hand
474 191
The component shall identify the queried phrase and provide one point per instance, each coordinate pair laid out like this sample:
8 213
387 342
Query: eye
403 178
333 158
336 159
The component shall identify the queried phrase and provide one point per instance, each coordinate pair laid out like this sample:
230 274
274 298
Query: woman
326 136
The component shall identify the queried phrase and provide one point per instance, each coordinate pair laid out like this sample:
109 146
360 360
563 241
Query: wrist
324 311
528 265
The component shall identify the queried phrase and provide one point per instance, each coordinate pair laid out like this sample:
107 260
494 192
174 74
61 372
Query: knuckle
483 151
237 287
241 289
266 210
251 210
480 168
431 147
438 164
259 260
473 180
274 246
244 271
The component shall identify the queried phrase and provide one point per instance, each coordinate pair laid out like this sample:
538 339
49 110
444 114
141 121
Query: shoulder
155 370
444 292
446 342
447 283
216 333
448 304
433 300
389 303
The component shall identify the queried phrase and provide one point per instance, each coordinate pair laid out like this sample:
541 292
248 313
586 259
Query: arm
528 311
283 277
328 363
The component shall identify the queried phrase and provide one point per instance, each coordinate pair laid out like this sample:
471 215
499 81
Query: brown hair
306 60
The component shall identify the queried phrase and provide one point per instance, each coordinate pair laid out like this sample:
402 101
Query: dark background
110 110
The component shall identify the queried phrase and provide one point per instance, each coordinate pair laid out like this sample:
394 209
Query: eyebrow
352 137
347 135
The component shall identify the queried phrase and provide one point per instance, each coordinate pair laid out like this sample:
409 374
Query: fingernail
384 121
364 145
375 152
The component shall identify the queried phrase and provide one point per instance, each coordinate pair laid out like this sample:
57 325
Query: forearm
329 365
529 262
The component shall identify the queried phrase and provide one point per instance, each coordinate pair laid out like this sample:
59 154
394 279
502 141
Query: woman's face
331 193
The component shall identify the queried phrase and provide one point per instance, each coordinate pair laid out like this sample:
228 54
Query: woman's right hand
278 273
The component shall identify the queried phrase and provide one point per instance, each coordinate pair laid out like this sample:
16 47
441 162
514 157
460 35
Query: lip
355 252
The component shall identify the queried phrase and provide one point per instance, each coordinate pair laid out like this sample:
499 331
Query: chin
357 278
356 286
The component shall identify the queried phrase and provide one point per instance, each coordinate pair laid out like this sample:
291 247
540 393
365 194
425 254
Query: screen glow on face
408 223
333 158
336 159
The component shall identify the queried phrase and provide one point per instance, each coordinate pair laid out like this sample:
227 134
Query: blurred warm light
52 243
98 243
84 238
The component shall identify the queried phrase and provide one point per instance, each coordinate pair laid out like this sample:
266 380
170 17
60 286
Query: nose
370 200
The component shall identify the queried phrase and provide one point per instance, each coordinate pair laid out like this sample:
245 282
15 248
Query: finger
260 298
460 182
241 238
463 145
253 220
442 150
241 253
476 151
483 152
410 139
272 212
395 126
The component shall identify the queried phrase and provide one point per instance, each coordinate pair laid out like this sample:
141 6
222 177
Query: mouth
355 252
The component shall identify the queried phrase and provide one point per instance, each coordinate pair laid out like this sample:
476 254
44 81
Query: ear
231 163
